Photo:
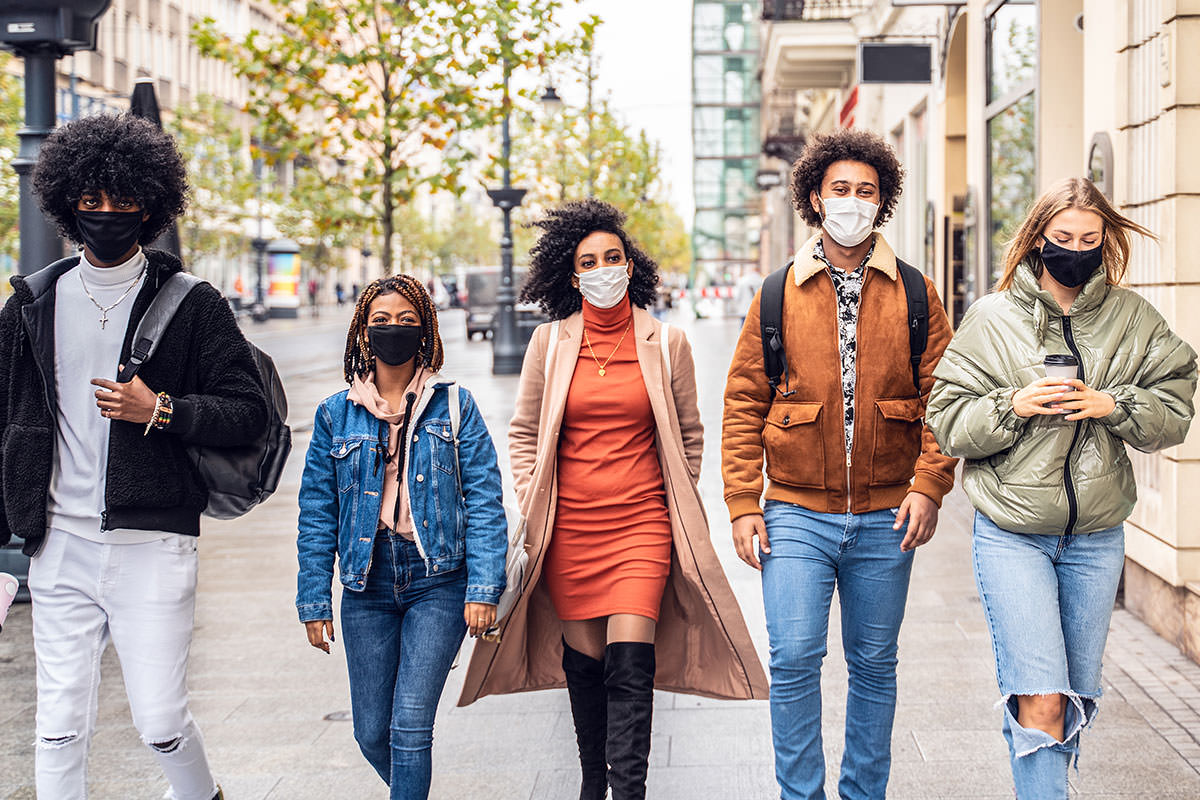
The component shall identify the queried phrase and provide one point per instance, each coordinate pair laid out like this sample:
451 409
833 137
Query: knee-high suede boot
589 709
629 677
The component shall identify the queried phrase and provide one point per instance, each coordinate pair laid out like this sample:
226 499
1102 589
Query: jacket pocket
898 426
794 445
441 448
346 462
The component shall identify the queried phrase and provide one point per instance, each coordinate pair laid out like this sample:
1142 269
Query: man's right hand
744 530
317 630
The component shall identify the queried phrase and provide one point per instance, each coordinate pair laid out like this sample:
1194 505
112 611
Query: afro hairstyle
846 145
125 157
552 258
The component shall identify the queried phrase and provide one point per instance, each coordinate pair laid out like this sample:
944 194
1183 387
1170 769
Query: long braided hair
359 358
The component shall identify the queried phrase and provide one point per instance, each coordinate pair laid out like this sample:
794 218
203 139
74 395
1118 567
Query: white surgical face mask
849 220
604 287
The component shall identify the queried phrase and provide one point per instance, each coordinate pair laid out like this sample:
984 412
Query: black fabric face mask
394 344
109 234
1071 268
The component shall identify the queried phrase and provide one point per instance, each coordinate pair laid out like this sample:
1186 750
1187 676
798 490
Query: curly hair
359 359
552 258
846 145
124 156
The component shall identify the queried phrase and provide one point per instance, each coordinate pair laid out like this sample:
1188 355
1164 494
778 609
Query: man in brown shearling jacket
856 478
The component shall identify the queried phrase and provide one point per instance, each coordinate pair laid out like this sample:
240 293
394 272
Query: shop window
1011 140
1011 114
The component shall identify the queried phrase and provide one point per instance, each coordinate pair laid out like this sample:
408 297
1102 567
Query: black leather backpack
237 478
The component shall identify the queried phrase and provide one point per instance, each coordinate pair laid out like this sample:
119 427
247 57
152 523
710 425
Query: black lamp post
508 351
41 32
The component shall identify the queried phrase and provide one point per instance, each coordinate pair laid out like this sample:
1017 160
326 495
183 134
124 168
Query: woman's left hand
1086 403
479 617
132 402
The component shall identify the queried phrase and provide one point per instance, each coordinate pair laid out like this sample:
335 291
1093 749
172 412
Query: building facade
725 138
1023 93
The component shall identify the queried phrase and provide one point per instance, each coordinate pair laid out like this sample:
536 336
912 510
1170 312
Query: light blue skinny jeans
811 554
1048 601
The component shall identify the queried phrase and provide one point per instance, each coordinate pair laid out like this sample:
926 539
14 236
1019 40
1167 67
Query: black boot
629 677
589 709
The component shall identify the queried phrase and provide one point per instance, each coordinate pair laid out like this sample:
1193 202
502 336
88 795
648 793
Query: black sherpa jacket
203 362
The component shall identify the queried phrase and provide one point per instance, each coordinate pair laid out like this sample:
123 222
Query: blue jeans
401 634
1048 601
811 553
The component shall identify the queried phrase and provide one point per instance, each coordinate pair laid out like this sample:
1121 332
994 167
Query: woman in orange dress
605 445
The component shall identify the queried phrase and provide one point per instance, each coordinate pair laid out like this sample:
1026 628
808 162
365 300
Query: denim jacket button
420 478
424 523
435 567
414 438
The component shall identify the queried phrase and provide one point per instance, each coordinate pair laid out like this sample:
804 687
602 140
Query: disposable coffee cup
8 592
1062 366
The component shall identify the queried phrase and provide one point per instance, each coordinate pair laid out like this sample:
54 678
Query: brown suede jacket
802 434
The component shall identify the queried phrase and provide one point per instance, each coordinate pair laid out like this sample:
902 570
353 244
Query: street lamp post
508 351
42 32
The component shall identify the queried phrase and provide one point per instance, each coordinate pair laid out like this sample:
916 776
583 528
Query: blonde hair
1073 193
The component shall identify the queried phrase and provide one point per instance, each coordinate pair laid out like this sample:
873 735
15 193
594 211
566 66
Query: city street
274 711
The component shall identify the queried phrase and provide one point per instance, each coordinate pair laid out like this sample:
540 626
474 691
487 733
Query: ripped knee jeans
1048 601
140 598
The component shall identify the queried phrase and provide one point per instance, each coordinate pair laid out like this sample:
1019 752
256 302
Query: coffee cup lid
1061 360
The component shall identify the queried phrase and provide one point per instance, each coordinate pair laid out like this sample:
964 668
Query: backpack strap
552 342
154 322
770 317
918 317
454 397
666 350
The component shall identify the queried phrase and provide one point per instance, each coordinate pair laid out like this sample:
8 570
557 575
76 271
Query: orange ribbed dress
610 552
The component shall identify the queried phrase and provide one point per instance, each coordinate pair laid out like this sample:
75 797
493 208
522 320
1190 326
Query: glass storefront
1012 67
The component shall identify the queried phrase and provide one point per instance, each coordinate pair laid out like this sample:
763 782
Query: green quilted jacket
1045 474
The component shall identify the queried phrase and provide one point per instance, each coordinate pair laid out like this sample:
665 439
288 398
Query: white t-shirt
84 349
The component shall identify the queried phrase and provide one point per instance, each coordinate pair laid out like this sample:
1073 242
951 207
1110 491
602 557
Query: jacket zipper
1072 500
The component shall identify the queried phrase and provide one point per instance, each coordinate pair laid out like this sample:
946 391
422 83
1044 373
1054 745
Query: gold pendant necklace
588 341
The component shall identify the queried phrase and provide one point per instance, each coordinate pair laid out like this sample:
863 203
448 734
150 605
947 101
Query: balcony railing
785 118
810 10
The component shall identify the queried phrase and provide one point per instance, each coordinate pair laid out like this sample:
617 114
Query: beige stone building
1023 93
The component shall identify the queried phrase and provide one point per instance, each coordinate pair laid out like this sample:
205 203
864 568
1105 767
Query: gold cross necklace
588 341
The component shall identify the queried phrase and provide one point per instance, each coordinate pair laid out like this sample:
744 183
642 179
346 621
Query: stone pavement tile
961 745
935 779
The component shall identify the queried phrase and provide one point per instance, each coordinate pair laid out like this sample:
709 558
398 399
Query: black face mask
394 344
1071 268
109 234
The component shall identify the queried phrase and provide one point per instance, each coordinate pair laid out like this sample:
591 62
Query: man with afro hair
97 480
855 477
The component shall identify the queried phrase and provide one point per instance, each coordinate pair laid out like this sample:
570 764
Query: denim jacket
340 497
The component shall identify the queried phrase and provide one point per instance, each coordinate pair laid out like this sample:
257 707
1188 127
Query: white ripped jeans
141 597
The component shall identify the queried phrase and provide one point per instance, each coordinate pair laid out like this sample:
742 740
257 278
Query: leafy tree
11 114
625 169
217 151
387 86
320 212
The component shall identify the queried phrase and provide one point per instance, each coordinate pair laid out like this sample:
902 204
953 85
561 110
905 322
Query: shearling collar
805 264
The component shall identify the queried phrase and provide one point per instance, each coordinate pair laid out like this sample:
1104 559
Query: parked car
479 288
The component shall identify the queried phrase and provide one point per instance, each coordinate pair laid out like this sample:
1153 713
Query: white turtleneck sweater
83 351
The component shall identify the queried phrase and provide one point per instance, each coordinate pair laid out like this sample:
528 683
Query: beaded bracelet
163 409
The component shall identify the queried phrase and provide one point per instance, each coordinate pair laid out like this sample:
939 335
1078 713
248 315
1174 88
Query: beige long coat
702 644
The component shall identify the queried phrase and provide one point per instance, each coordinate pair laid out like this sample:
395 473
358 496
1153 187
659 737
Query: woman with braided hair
407 498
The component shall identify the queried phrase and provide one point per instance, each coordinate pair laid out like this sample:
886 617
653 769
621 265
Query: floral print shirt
848 286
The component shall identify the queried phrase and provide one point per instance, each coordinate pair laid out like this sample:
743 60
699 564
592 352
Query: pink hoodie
364 393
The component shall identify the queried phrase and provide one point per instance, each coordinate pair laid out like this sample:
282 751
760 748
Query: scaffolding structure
726 102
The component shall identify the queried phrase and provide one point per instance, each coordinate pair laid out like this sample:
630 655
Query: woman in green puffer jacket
1046 466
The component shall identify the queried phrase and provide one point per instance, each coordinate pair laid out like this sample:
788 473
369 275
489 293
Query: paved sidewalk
271 707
